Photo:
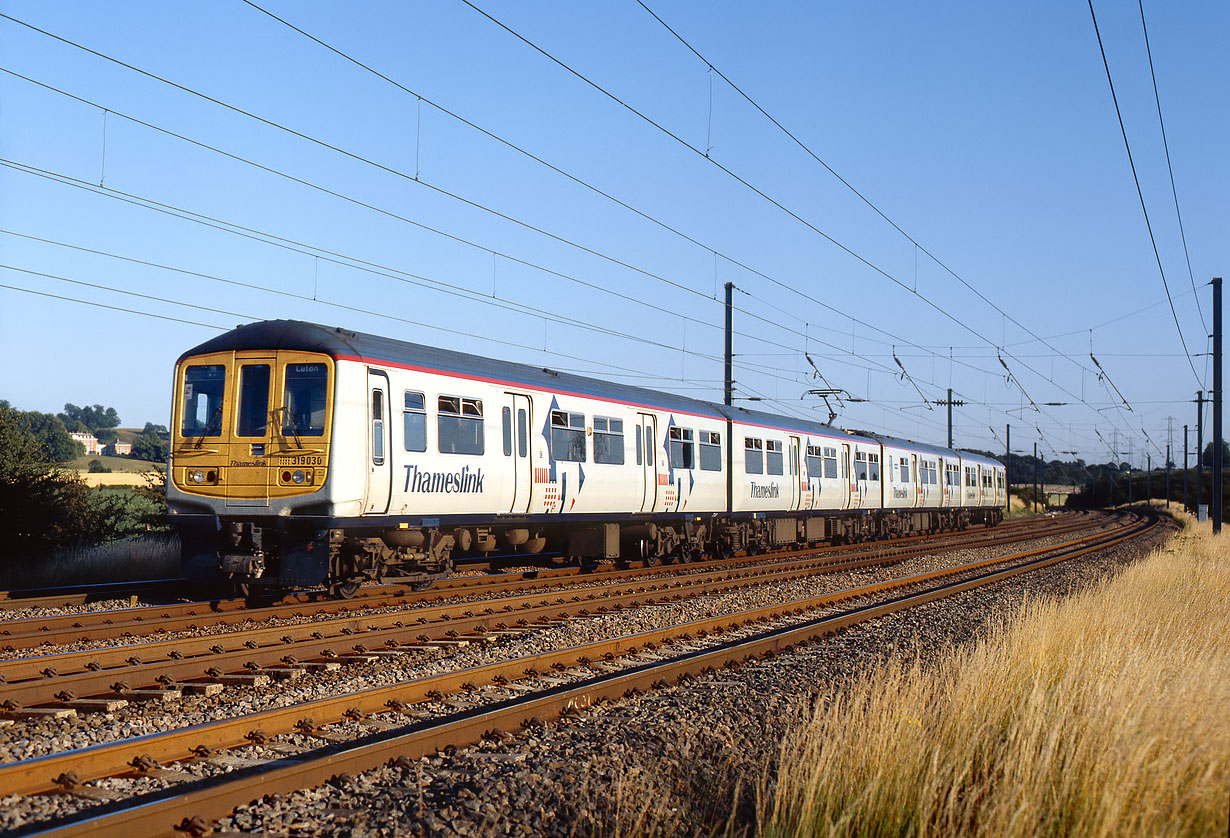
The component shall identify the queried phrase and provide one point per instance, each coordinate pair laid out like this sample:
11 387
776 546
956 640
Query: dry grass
1101 715
132 559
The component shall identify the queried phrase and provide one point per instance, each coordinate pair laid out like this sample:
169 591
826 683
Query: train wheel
422 585
345 589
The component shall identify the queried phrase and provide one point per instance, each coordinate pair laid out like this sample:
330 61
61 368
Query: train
304 456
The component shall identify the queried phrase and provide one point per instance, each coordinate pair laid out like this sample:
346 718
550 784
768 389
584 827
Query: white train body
302 454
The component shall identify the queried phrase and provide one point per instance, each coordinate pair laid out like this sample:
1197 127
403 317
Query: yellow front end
252 426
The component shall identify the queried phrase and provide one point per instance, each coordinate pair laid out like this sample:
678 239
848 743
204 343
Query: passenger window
523 433
773 456
860 465
378 427
202 411
253 400
506 426
753 455
680 447
905 470
710 451
608 440
414 422
459 425
815 462
873 466
568 436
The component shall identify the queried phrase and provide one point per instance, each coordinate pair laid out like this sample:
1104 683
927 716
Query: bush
97 467
44 508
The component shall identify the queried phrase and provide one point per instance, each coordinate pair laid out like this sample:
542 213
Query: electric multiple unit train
304 455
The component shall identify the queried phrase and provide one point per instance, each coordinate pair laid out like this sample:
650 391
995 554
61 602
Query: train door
252 448
646 436
847 480
862 474
915 487
520 420
379 467
796 474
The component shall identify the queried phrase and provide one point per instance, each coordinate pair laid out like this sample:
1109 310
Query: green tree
89 418
41 507
149 444
1207 458
57 446
44 508
96 467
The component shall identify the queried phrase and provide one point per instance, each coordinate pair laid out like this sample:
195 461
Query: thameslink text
454 482
759 491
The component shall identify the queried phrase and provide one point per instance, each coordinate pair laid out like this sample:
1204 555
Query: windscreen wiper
217 414
294 426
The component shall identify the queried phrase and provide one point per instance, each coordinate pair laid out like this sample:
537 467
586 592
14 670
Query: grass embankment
1103 714
126 465
127 560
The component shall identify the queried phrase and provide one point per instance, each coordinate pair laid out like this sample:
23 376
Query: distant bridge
1054 494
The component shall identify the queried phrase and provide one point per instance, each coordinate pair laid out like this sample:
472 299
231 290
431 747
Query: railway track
552 684
75 595
164 666
44 630
175 596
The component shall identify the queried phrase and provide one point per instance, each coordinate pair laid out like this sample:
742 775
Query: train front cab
250 442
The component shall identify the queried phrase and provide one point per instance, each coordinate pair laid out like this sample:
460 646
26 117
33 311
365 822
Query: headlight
297 477
196 476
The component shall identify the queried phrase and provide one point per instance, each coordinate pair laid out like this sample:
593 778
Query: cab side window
414 422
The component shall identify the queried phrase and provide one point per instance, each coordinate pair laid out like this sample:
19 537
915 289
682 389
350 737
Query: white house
91 443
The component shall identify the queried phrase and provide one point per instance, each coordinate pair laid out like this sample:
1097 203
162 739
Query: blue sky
986 132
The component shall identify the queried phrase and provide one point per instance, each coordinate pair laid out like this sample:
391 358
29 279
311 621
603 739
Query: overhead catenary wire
744 182
295 246
416 179
365 205
580 181
428 228
121 309
306 249
474 297
729 172
675 314
1141 195
380 166
1170 167
918 246
251 318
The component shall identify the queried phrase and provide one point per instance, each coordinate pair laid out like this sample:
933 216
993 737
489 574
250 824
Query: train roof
982 458
345 344
790 423
922 447
932 449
